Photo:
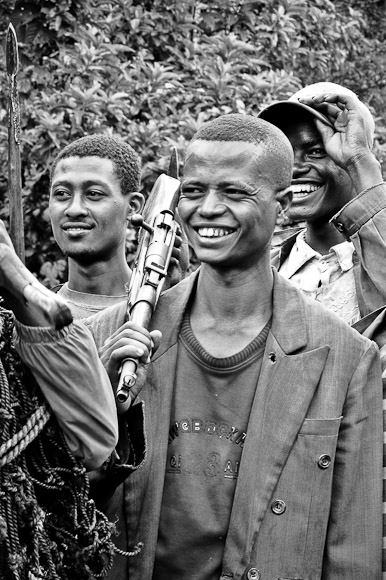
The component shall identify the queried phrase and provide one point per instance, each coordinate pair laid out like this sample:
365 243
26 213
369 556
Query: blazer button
278 507
324 461
340 227
253 574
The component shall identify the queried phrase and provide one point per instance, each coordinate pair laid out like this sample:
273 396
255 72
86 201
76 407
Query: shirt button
324 461
272 357
278 507
253 574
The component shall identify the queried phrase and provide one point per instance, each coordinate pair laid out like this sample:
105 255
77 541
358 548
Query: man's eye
61 194
317 152
94 194
191 193
234 192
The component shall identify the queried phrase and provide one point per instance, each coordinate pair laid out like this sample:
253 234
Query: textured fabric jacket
362 221
308 498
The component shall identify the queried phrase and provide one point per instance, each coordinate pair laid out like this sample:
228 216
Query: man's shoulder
170 309
179 290
319 324
105 323
329 327
282 244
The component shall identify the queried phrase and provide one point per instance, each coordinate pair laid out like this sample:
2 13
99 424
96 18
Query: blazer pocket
321 427
304 488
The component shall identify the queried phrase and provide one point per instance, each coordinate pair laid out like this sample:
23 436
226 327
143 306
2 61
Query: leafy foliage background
154 71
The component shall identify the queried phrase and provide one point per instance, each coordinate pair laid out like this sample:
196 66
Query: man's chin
303 212
79 255
298 216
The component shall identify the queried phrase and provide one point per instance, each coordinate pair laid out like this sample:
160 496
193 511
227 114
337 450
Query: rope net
49 528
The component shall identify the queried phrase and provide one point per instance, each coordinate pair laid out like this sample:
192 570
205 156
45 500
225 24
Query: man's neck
106 278
321 237
230 310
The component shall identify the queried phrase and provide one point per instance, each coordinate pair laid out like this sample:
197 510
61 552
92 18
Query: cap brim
282 112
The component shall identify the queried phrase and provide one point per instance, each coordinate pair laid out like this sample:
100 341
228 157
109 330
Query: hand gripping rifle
155 246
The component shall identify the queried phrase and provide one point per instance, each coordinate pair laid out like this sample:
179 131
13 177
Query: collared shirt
329 279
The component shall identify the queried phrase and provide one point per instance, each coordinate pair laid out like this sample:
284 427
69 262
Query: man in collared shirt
339 258
339 192
327 278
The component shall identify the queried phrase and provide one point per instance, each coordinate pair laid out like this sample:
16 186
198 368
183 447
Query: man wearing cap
338 190
339 258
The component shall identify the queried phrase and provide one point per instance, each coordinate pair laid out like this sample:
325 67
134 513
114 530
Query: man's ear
283 199
136 201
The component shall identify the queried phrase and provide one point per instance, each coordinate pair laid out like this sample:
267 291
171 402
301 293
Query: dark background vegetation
153 71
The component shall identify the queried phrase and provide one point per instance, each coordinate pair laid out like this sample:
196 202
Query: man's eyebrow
191 181
86 184
58 182
244 185
317 140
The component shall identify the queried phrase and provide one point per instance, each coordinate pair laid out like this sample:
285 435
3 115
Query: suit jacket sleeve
66 365
130 451
363 221
354 536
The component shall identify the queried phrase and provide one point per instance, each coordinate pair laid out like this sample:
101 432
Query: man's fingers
130 329
130 343
128 347
324 130
4 236
156 337
124 351
178 239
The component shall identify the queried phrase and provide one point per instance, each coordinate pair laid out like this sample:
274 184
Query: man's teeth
303 189
213 232
76 229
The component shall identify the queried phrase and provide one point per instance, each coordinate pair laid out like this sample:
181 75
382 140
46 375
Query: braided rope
134 552
49 528
20 441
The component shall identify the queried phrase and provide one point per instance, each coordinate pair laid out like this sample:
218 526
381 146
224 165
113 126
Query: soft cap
280 112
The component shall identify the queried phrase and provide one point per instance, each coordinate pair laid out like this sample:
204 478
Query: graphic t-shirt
212 402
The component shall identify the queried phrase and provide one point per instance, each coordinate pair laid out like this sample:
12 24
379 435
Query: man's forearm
67 368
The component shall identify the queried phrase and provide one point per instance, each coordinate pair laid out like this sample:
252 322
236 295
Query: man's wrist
364 171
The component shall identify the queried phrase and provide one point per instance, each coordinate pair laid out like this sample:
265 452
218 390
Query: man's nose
301 166
211 205
76 206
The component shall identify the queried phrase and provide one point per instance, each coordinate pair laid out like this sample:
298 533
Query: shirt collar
302 253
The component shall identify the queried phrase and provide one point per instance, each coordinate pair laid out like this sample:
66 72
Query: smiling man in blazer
262 409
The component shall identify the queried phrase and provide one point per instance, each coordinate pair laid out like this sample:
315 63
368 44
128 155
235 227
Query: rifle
16 225
155 246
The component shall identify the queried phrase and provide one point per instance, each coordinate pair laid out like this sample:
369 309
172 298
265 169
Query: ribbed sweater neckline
251 351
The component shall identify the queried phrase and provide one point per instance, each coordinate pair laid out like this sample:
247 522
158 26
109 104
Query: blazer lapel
170 310
284 391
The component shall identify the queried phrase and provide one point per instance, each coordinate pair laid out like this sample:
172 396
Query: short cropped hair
126 161
248 128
